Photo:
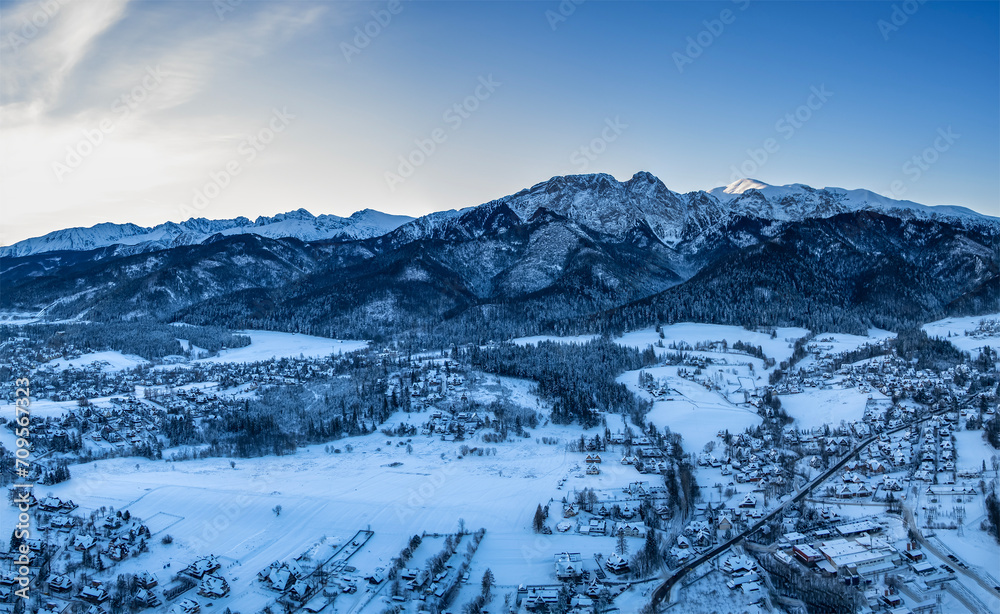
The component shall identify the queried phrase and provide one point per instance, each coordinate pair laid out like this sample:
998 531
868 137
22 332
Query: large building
843 555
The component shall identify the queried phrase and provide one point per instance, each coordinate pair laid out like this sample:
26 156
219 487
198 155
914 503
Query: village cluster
877 510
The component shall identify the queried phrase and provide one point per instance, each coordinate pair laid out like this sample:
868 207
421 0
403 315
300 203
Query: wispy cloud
96 118
42 42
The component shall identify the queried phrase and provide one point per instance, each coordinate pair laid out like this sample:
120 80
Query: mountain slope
572 253
847 272
597 201
486 263
157 284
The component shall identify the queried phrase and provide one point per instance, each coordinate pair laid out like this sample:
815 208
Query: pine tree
649 548
15 541
539 520
488 582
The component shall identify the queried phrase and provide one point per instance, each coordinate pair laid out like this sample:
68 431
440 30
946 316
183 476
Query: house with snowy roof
569 566
616 564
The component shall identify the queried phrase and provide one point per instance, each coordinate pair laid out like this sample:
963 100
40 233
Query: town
741 486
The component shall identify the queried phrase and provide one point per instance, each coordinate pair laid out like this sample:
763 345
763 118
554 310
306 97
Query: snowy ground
957 327
17 318
971 543
209 507
108 361
696 413
40 409
265 345
973 451
779 348
692 410
831 344
709 593
814 407
229 512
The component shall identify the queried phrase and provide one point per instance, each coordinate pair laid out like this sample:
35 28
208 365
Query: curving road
663 591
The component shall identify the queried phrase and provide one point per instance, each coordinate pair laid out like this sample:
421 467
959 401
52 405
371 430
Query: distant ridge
597 201
299 224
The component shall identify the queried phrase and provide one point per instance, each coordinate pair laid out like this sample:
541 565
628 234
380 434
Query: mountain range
582 252
600 202
133 239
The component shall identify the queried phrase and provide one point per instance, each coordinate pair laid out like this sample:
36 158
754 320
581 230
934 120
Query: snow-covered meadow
226 508
954 331
266 345
109 361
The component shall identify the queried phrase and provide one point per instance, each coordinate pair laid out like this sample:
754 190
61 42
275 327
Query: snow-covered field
830 344
815 407
691 410
779 347
109 361
957 327
18 318
972 451
265 345
210 507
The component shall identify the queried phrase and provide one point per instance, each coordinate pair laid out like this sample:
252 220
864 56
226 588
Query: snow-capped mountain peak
799 201
596 201
601 203
130 238
742 185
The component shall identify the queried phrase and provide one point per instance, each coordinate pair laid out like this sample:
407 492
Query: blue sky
139 111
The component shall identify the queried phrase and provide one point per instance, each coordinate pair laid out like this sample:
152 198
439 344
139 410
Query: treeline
285 417
578 379
992 432
511 420
146 338
930 353
821 595
754 350
758 292
993 515
790 279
